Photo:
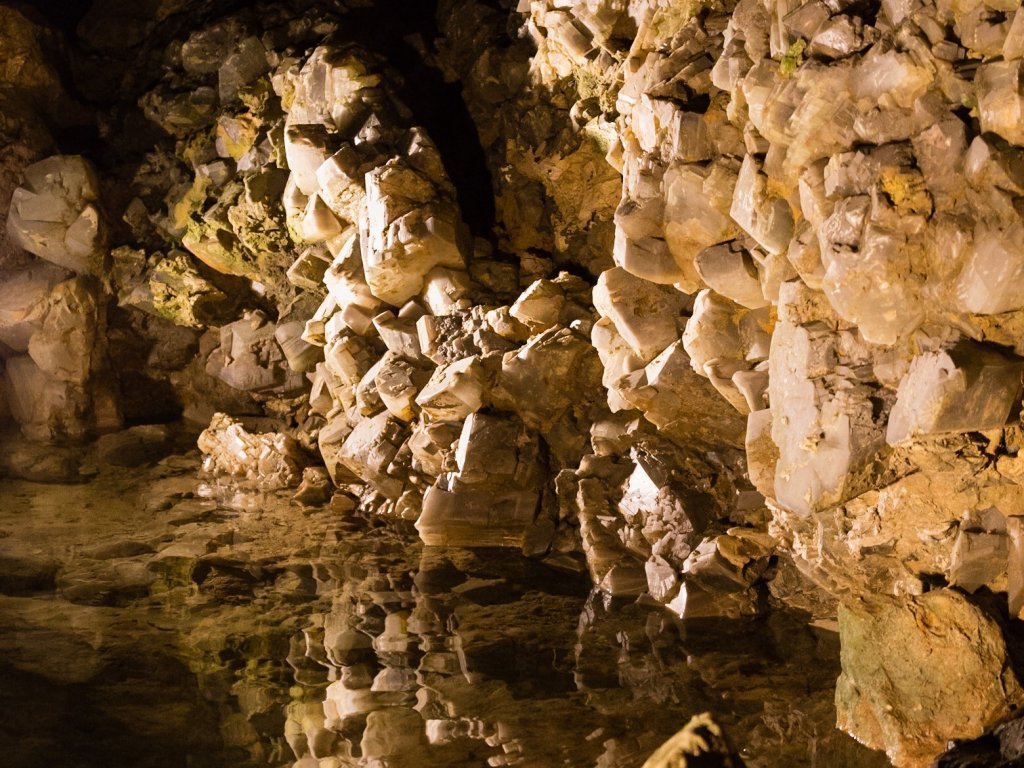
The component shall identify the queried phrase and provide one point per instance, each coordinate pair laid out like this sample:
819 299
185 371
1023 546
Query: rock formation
737 328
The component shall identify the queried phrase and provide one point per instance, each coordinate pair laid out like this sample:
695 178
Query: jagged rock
168 286
937 642
251 359
990 279
614 569
409 230
764 217
457 515
269 459
645 315
967 388
679 402
531 380
721 576
1000 102
539 307
55 216
455 391
369 449
64 345
980 552
1002 747
729 269
44 406
825 433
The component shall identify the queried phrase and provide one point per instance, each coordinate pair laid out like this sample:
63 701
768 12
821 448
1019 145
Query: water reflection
320 641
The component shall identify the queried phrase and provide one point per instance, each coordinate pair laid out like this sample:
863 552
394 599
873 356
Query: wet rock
134 446
315 487
269 459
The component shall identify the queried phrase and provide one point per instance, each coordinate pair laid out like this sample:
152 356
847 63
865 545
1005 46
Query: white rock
45 407
55 216
369 450
398 382
454 391
445 290
764 217
729 270
339 180
697 214
646 315
64 345
270 459
317 222
824 435
305 151
24 299
965 389
398 334
617 358
1000 101
992 278
712 334
539 306
408 231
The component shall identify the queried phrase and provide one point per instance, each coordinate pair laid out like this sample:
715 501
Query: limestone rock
937 642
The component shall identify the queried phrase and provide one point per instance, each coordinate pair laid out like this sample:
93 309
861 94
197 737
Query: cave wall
718 302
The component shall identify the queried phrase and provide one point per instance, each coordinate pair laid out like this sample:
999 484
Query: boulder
935 643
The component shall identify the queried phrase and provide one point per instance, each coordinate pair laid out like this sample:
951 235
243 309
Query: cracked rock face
727 315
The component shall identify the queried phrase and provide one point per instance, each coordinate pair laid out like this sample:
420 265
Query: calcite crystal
269 459
56 216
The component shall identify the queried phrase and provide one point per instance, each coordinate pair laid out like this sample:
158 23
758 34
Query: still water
149 619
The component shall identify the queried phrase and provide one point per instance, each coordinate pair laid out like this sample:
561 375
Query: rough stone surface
936 643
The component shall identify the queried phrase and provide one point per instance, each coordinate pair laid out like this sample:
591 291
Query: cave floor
149 618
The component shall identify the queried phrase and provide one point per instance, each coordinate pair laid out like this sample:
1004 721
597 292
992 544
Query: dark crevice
391 29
